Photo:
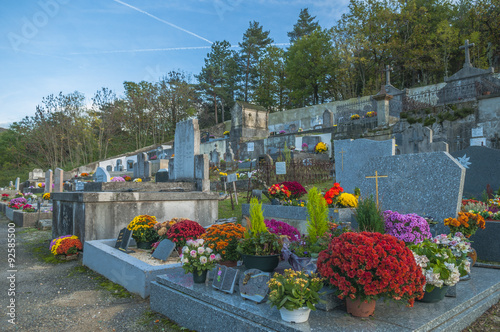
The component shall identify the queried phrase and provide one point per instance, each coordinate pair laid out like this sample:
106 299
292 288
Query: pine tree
304 26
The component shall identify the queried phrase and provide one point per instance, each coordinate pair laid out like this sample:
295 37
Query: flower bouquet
196 257
66 245
5 197
282 228
17 203
143 230
346 200
278 191
117 179
305 146
355 117
137 180
466 223
127 178
28 208
184 230
371 114
294 290
41 185
321 147
410 228
46 196
332 194
367 266
223 239
459 247
296 189
84 174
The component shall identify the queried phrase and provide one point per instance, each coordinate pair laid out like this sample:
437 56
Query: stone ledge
132 196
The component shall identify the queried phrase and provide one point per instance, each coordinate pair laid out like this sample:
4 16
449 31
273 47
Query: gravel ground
66 296
53 296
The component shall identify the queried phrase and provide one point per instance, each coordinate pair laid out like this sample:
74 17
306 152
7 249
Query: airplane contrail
163 21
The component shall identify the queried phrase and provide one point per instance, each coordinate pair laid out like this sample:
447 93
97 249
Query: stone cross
48 181
466 47
388 70
376 177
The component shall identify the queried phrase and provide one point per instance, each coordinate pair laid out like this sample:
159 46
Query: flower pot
436 295
359 308
199 279
228 263
263 263
299 315
144 245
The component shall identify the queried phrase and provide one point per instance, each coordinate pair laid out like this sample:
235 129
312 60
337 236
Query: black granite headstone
253 285
220 272
123 239
204 136
161 175
164 249
229 280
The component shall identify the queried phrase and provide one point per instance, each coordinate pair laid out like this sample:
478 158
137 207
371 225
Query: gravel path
65 296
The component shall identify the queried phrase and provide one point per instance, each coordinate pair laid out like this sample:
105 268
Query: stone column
59 180
382 99
48 181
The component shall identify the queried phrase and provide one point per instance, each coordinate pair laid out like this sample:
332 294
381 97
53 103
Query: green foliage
257 218
305 26
260 244
429 121
369 216
317 210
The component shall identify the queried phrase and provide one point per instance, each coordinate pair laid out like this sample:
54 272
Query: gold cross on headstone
376 177
342 154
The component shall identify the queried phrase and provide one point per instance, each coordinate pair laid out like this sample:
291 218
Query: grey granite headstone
215 157
327 119
219 273
123 240
109 168
17 183
253 285
229 156
351 155
143 169
58 180
119 166
161 175
164 249
187 145
417 139
311 141
102 175
48 181
229 280
482 168
201 172
428 184
79 186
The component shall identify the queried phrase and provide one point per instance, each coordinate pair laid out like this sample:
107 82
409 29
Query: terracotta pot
357 308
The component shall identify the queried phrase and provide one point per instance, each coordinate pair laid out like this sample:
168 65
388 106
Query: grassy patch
43 254
157 322
103 283
27 230
225 210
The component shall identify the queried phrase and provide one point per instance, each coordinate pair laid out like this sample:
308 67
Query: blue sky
48 46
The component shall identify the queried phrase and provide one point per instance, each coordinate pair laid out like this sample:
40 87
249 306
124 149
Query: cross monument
466 47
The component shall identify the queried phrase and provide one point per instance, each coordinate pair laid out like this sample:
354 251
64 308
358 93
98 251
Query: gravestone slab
232 177
123 240
119 166
102 175
219 273
161 175
328 119
229 280
143 169
253 285
311 141
280 167
37 173
417 139
48 181
482 168
428 184
229 155
79 186
109 168
164 249
215 157
351 155
187 145
18 180
58 180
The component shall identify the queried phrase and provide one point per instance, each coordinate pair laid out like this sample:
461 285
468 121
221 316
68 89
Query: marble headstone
102 175
58 180
482 166
428 184
187 145
48 181
351 155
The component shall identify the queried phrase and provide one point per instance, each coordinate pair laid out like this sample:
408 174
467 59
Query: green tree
270 92
255 41
304 26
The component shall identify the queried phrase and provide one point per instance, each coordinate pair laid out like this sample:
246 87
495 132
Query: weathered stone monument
142 168
328 119
187 145
416 139
102 175
58 180
48 181
17 183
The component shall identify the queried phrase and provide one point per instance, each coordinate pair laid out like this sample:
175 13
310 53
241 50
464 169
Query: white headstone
187 145
280 167
17 183
250 146
102 175
477 132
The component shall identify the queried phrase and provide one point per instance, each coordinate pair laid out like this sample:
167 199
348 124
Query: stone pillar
201 172
59 180
48 181
18 180
382 99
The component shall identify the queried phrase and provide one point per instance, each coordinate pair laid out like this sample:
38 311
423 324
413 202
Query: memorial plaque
220 272
164 250
280 167
232 177
229 280
253 285
123 240
250 146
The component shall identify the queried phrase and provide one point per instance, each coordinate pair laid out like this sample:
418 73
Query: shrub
317 210
296 189
369 217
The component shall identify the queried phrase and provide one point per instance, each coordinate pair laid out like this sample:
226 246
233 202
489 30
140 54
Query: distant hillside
2 129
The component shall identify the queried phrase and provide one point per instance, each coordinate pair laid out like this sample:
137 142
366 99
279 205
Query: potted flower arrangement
117 179
84 174
28 208
332 194
17 203
305 147
5 197
127 178
410 228
346 200
321 147
137 180
466 223
460 248
366 266
278 192
439 266
282 228
184 230
66 247
282 132
259 248
294 294
41 185
226 133
196 258
223 240
143 230
355 117
46 197
371 114
296 189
